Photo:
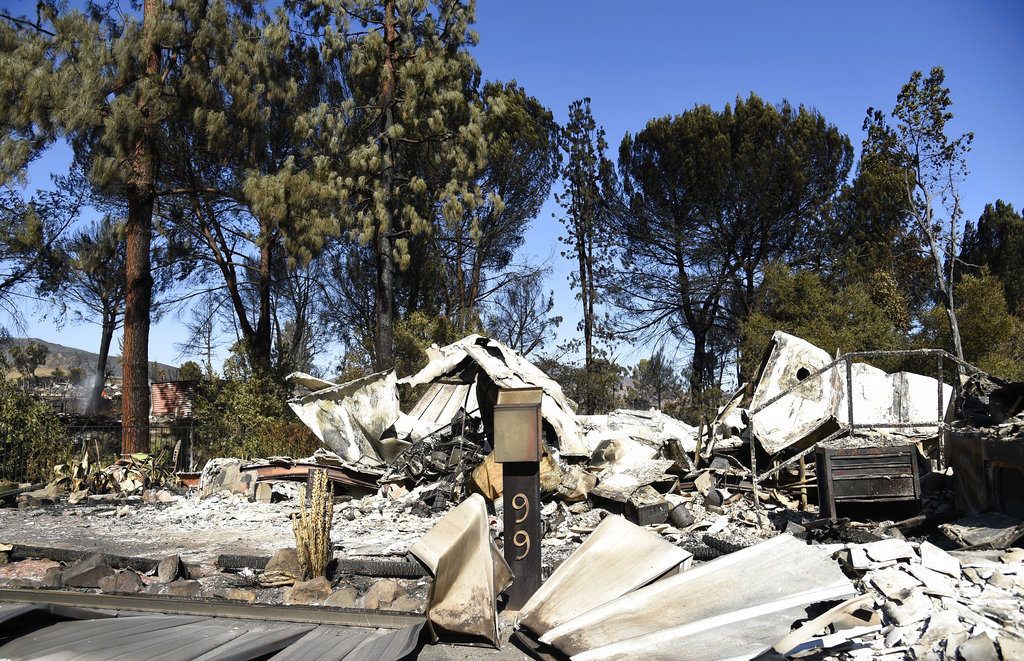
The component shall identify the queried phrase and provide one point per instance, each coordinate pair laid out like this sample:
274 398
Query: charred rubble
831 510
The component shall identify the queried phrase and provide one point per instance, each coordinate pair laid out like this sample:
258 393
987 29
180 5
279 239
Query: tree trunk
139 279
384 306
96 396
700 367
260 348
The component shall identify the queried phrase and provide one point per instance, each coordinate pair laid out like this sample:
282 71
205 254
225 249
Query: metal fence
850 425
103 442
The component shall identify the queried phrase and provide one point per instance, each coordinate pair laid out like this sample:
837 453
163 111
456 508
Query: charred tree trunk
96 394
139 279
384 305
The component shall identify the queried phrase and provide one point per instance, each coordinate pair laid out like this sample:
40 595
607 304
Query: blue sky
647 59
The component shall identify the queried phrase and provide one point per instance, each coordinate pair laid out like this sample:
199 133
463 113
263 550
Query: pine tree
587 199
402 152
239 168
932 165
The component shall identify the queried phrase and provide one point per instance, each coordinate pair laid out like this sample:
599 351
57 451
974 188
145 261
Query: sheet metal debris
349 418
616 558
710 610
469 574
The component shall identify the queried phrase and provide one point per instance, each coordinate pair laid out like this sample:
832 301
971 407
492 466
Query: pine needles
312 527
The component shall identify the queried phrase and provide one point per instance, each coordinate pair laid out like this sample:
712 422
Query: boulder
87 573
53 578
283 568
189 589
381 594
122 582
308 593
407 604
170 569
345 596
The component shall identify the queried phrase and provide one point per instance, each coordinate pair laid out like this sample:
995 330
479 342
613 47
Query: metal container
517 425
866 475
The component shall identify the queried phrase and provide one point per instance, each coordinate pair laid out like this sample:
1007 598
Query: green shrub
32 438
247 418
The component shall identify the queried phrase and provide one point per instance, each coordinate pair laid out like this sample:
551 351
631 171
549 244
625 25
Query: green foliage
247 418
655 383
28 358
997 244
77 376
601 385
32 439
588 199
993 339
930 165
190 371
852 317
714 196
403 151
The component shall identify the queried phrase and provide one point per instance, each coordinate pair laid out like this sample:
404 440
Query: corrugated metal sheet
184 638
173 398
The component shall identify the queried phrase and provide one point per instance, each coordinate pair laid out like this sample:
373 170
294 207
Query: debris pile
132 474
658 539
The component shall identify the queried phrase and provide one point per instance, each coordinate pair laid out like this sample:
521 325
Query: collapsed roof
819 403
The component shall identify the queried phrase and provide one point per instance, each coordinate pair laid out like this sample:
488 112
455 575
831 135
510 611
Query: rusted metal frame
803 453
898 425
215 608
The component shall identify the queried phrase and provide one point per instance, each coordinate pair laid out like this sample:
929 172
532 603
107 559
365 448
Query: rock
87 573
285 561
381 593
979 648
681 517
170 569
19 583
4 558
889 549
237 594
312 592
122 582
938 560
346 596
188 589
52 578
407 604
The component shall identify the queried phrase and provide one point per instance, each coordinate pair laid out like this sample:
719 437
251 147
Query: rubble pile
658 539
930 603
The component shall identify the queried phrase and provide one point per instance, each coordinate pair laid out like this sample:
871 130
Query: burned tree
931 165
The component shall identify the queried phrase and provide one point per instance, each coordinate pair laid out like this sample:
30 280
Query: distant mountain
67 358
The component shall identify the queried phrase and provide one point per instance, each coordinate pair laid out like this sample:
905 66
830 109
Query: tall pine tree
587 200
403 151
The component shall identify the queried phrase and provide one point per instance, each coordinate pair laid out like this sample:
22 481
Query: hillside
67 358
